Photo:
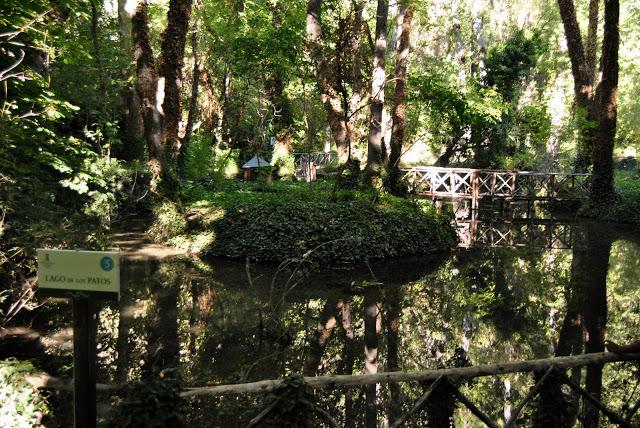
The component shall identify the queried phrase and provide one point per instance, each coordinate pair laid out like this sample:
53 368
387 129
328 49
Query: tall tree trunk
161 123
133 125
582 80
602 190
193 102
399 113
275 85
355 115
148 91
378 80
326 82
592 40
172 48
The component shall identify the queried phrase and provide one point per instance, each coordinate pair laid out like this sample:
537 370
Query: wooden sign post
83 276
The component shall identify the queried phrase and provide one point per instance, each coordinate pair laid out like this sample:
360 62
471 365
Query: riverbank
626 206
287 220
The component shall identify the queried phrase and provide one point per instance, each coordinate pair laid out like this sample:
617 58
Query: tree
602 190
133 125
330 98
332 76
583 60
399 113
375 147
161 122
193 101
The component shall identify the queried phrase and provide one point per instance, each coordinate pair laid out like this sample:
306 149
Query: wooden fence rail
306 163
419 376
437 378
446 377
475 184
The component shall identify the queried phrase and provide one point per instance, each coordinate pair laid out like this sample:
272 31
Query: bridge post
474 190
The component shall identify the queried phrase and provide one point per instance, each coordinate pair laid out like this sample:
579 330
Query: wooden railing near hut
306 163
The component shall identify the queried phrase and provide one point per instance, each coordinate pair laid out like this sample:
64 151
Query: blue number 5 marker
106 263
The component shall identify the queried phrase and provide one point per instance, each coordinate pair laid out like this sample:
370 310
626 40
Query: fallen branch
51 382
420 376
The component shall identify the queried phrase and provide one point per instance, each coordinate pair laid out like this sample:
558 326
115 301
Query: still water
518 289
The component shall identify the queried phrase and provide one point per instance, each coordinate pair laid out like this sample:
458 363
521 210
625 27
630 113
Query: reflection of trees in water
583 328
490 305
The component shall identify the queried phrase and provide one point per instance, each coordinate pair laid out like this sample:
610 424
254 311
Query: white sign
79 270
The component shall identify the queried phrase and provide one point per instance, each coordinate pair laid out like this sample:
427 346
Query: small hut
251 167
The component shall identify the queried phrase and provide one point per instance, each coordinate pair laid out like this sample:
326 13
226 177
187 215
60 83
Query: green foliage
292 220
284 166
531 132
59 181
336 233
293 404
168 221
464 122
508 63
478 121
21 405
626 207
154 402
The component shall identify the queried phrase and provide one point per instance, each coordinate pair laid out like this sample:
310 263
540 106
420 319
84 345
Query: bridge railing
307 162
468 183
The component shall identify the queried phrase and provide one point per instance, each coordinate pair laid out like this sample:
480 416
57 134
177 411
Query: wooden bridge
306 163
475 184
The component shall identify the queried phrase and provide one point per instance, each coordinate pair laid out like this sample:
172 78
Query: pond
518 289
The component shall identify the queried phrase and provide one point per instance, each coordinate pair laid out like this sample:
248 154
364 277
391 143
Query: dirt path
134 244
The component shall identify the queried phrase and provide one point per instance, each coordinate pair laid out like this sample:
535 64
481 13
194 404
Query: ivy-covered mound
626 206
287 221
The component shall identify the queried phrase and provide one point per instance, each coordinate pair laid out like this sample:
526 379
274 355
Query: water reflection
522 225
222 321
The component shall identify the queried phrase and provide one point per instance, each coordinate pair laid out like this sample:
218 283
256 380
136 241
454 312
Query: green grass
288 220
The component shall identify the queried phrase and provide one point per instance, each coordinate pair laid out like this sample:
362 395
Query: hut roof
256 162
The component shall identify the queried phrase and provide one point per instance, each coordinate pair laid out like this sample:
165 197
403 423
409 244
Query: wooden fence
306 163
475 184
549 366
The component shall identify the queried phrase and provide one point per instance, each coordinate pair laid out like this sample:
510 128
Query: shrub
21 405
626 209
168 222
155 402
